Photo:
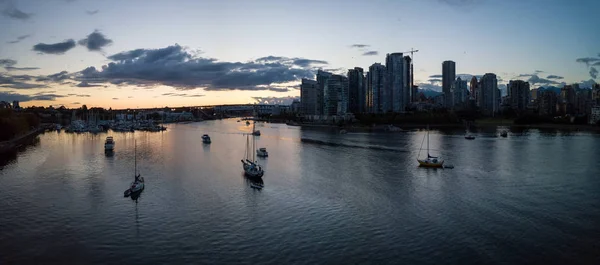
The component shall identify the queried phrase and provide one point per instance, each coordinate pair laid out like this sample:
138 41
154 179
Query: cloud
176 67
7 62
593 72
10 96
57 78
56 48
86 84
538 71
587 84
588 60
468 77
180 95
426 86
76 103
276 100
17 82
10 68
19 39
115 98
434 80
435 76
554 77
93 12
534 79
370 53
95 41
359 46
13 12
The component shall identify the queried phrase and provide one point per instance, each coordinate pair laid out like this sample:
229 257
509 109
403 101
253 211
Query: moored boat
206 139
138 182
262 152
430 161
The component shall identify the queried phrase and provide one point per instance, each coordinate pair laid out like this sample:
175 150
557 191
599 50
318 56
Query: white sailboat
251 168
430 161
138 183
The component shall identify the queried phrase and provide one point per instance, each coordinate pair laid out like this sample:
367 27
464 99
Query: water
332 199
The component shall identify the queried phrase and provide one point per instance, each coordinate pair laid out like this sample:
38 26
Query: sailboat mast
253 148
135 158
427 140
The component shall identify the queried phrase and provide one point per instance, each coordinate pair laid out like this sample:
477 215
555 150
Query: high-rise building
459 93
308 96
473 85
489 95
394 92
596 94
407 87
567 99
547 100
448 77
533 95
357 93
376 84
336 95
321 79
583 101
518 94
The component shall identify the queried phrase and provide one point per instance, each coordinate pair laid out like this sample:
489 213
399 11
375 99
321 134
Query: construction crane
412 79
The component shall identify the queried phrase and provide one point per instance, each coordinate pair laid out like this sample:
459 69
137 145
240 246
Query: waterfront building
595 115
547 101
518 95
336 95
596 94
459 93
308 96
393 95
489 95
322 77
376 82
357 92
448 78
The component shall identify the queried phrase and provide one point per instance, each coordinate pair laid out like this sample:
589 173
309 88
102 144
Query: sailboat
255 132
430 161
138 182
249 164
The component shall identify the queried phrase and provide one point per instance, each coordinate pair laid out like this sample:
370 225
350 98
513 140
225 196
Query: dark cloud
95 41
554 77
57 78
276 100
19 39
370 53
434 80
588 60
359 45
10 96
176 67
538 71
180 95
115 98
76 103
93 12
7 62
12 11
10 68
435 76
525 75
18 82
56 48
468 77
593 72
587 83
86 84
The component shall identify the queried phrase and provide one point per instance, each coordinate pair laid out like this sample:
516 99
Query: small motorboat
262 152
469 137
109 144
504 134
206 139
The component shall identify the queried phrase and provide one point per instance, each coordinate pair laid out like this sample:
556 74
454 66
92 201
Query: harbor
356 191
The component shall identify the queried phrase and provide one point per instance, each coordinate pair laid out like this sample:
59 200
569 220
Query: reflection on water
359 197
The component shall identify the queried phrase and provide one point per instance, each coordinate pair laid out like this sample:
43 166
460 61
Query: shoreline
383 127
12 144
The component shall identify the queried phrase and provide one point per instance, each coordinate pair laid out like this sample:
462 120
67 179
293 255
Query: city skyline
123 55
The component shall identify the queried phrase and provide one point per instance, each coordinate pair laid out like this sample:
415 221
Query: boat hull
429 164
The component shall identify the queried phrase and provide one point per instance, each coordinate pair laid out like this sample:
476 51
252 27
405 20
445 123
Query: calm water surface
531 198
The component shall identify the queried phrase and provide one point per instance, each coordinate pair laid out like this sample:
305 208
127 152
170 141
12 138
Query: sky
140 53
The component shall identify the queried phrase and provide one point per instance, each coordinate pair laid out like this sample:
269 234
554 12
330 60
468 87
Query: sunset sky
147 53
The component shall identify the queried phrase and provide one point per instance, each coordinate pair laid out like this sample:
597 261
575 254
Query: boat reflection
136 195
255 183
109 153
